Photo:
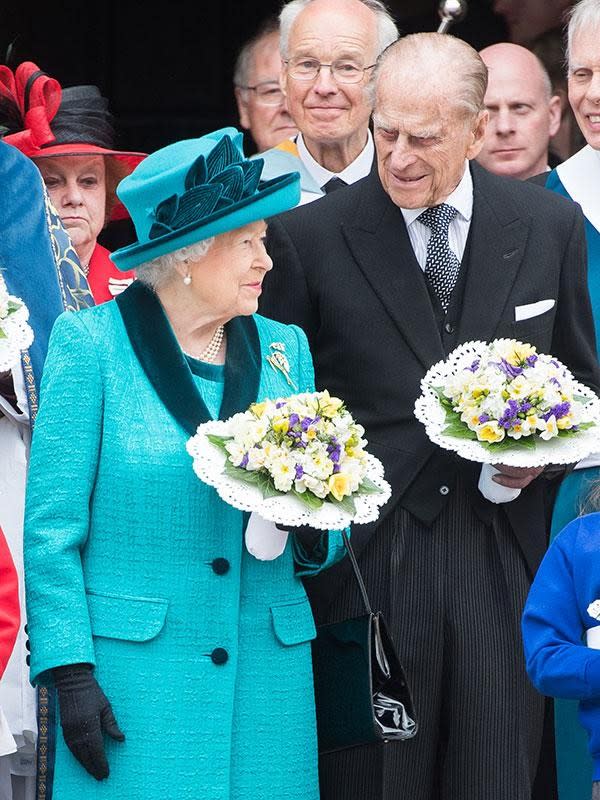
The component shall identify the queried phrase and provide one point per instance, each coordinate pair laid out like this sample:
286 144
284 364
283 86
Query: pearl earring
187 280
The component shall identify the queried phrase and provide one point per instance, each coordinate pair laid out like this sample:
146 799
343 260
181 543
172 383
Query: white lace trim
208 462
561 450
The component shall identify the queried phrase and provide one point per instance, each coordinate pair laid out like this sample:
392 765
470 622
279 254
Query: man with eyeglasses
329 49
260 100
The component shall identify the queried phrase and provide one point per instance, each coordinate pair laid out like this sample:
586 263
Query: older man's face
328 112
263 110
584 84
522 115
422 141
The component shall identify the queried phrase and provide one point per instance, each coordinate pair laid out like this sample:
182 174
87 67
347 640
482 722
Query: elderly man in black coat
387 277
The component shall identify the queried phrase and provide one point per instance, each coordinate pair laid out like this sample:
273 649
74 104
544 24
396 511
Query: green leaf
240 474
525 443
368 487
12 306
219 441
584 426
267 486
3 335
309 499
459 431
346 504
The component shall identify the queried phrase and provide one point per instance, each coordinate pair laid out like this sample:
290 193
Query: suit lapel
498 236
165 365
379 242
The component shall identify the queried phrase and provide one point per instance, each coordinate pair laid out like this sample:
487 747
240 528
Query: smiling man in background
329 49
524 113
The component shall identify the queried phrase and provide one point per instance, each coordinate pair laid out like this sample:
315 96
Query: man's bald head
523 112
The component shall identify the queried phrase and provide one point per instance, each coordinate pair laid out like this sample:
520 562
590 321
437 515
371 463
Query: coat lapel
379 242
498 236
164 363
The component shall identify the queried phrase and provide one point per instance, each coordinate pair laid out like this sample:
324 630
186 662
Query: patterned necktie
333 184
442 265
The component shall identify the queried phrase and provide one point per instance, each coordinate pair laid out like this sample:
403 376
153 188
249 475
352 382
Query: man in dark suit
386 278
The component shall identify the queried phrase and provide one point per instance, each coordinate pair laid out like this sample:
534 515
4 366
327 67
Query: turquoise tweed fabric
122 542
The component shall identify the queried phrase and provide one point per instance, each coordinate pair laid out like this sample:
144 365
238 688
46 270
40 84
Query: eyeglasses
268 93
342 71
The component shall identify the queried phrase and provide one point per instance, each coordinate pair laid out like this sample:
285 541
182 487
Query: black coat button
449 327
220 566
27 645
26 629
28 659
219 656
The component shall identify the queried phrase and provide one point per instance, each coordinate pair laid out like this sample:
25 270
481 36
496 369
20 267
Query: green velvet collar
166 367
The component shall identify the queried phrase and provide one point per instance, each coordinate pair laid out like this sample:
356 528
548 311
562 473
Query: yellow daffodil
258 409
280 424
329 406
490 432
339 485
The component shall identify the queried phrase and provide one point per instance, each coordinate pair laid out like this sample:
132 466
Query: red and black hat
43 120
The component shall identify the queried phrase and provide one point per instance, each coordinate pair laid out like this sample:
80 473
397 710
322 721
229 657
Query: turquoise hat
195 189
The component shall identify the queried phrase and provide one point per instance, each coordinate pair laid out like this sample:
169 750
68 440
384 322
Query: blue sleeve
64 458
330 547
558 663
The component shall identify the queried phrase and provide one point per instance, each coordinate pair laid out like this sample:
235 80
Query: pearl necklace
211 350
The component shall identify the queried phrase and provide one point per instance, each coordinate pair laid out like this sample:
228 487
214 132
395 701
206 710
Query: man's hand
516 477
85 714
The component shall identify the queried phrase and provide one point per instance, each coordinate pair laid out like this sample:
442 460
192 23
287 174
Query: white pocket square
533 309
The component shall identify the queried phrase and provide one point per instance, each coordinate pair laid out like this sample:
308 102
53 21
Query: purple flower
509 416
244 461
306 423
299 472
294 420
280 404
484 418
474 366
334 451
336 469
559 410
509 370
525 407
530 360
555 382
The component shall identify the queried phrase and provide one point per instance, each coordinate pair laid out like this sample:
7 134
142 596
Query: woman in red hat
70 136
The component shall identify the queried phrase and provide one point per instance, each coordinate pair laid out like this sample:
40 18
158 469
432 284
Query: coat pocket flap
136 619
293 621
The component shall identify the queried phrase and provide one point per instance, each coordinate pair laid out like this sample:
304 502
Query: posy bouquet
295 460
504 402
15 333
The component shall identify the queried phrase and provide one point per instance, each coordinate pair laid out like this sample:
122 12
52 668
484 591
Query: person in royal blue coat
182 662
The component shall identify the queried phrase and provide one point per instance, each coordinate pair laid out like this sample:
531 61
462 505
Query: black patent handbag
361 692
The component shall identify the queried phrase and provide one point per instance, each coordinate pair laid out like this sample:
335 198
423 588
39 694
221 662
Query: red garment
10 616
105 280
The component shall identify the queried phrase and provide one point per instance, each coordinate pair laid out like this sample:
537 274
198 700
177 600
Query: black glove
85 714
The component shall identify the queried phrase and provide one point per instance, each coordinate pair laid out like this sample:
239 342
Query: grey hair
419 50
584 15
162 270
243 64
387 32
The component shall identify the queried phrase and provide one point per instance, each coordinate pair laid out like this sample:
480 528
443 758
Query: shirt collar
357 169
461 199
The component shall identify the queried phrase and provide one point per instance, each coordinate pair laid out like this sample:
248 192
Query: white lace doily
209 462
18 333
560 450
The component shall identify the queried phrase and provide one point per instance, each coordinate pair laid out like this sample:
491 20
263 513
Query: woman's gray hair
584 15
387 32
430 54
162 270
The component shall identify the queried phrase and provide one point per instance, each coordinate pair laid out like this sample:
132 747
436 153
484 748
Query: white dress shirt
357 169
419 233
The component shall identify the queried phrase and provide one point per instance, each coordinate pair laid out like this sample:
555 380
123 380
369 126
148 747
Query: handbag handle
357 573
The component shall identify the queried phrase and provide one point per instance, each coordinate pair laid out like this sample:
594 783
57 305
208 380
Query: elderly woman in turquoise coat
182 662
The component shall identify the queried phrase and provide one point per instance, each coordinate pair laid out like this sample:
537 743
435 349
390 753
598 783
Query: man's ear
241 98
478 134
555 110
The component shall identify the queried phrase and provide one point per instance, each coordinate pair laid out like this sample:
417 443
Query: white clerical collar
580 175
461 199
357 169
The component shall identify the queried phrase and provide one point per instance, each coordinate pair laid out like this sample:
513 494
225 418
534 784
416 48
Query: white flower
283 472
236 453
549 428
594 609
